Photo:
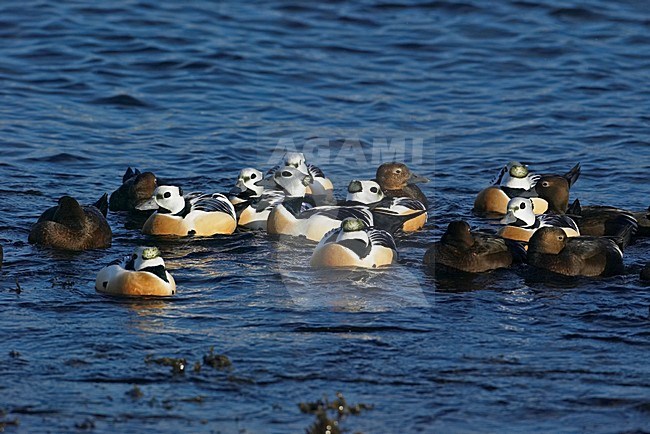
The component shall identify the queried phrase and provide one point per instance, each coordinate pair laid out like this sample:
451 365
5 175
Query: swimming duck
321 188
253 203
354 244
515 180
459 249
521 221
390 213
549 248
598 220
292 217
70 226
193 214
397 180
591 220
136 189
141 274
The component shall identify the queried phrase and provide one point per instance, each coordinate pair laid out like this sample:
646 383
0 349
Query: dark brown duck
592 220
136 189
70 226
397 180
549 248
460 249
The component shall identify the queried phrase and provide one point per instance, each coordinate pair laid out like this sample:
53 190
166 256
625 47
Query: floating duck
141 274
397 180
390 213
293 217
354 244
321 188
193 214
515 180
253 203
549 248
70 226
459 249
591 220
136 189
522 222
598 220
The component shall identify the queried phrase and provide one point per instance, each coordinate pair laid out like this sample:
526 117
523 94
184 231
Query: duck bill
266 183
417 179
509 218
238 189
147 205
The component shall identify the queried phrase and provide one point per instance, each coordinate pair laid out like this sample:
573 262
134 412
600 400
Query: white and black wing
330 236
379 237
268 200
215 202
399 206
558 220
340 213
315 171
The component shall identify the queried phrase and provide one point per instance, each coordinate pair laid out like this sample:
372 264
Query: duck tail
623 228
572 175
102 204
574 208
128 175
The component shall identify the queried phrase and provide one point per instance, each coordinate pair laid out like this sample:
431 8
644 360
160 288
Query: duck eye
253 176
167 195
286 174
560 237
523 205
373 189
398 171
545 184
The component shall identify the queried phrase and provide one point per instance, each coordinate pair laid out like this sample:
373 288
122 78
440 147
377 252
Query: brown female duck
549 248
70 226
136 189
460 249
397 180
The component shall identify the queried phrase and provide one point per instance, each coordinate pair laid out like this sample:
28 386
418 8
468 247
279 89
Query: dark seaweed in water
330 414
196 91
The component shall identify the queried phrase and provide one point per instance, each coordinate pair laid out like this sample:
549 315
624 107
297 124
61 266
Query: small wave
63 157
121 100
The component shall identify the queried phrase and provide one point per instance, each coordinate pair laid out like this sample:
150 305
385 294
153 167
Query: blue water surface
195 91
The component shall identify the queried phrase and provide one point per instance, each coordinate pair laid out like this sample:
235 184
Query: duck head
247 180
549 240
519 212
145 257
458 233
554 189
166 199
292 181
395 176
364 191
295 160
